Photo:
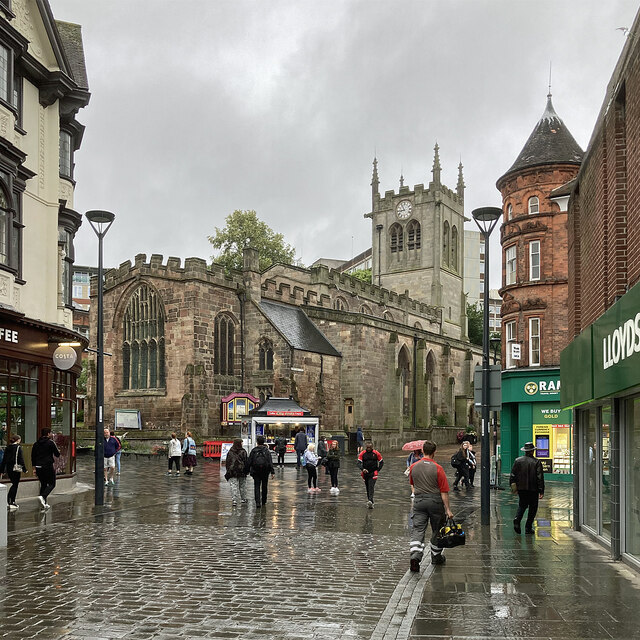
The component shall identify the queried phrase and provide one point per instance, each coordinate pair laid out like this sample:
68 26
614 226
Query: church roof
295 326
549 143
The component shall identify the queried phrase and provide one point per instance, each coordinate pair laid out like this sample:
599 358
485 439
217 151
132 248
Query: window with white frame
65 154
5 71
534 260
510 338
534 342
509 212
510 260
534 205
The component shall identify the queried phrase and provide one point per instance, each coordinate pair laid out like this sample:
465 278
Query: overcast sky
200 107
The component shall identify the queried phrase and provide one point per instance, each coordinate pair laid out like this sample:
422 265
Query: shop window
510 260
63 418
631 475
143 345
534 260
19 388
534 342
534 205
265 356
224 341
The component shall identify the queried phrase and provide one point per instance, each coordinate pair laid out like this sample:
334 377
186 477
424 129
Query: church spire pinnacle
401 178
460 186
375 183
436 165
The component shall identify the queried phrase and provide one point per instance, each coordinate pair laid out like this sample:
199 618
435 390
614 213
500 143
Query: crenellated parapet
193 269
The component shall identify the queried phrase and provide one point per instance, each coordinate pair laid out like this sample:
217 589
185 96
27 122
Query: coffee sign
64 357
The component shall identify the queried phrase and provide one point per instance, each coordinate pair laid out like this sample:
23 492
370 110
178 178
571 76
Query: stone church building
380 356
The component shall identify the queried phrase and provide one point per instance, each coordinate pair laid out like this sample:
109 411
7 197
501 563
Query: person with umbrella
415 447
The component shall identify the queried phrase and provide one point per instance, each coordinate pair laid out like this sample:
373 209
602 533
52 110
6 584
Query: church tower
418 244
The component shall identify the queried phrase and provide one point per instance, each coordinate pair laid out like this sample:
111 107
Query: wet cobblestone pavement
171 558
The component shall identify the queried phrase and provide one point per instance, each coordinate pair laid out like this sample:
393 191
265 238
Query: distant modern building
43 85
473 266
535 295
81 297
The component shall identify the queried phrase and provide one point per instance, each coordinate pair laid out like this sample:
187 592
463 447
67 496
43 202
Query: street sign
495 387
516 351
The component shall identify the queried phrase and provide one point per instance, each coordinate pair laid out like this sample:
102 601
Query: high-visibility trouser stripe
435 550
416 545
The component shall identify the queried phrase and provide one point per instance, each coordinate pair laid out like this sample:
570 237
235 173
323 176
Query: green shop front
600 374
531 412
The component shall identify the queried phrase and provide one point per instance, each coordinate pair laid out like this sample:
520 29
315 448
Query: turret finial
375 183
436 165
460 186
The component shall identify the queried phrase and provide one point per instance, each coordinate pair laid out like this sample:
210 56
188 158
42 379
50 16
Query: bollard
3 516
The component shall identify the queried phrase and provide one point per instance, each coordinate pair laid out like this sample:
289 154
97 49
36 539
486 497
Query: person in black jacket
236 475
42 454
527 480
13 456
460 462
260 467
280 448
300 444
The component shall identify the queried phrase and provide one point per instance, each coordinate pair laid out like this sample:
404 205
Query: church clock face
403 210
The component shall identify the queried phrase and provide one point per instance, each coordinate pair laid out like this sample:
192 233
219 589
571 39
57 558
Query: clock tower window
397 238
413 235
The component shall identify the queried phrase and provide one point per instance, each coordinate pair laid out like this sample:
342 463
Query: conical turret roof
549 143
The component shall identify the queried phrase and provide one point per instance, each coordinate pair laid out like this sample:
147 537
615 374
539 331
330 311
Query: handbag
451 535
17 467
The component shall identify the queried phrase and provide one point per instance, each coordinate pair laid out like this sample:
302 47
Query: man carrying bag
431 504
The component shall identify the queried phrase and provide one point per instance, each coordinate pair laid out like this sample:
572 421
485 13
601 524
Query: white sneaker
111 482
47 506
337 491
309 490
13 507
369 504
42 502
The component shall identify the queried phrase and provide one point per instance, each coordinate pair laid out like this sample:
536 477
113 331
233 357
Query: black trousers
462 473
370 484
281 453
334 476
260 484
174 460
527 499
14 476
47 477
313 476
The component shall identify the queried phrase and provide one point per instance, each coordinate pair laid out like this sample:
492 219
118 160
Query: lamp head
486 214
100 217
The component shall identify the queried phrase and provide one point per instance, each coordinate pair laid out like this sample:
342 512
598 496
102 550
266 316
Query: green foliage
81 384
245 228
475 317
442 420
362 274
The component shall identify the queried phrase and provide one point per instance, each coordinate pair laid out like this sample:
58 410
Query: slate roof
71 40
549 143
294 324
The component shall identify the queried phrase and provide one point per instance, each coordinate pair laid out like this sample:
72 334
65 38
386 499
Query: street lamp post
100 222
495 341
486 219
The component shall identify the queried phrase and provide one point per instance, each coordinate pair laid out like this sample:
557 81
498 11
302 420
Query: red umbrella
414 445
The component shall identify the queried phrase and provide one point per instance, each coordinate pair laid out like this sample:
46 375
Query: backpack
455 463
303 460
261 463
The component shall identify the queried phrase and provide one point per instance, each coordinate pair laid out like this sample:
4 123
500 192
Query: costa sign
64 357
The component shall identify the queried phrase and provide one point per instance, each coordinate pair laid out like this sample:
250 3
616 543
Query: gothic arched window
454 248
366 310
445 244
265 356
404 368
143 330
397 238
224 340
340 304
413 235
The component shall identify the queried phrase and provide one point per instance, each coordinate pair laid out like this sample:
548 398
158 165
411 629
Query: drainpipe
415 380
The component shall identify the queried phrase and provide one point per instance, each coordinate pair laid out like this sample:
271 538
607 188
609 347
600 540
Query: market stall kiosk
279 417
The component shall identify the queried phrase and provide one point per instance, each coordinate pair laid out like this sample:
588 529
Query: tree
362 274
245 228
476 319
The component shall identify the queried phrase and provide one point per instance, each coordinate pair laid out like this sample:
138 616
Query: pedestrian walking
175 449
359 439
333 464
310 462
280 448
119 451
460 462
13 465
237 463
472 463
370 462
111 446
189 460
414 456
527 481
300 445
431 505
260 468
42 454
